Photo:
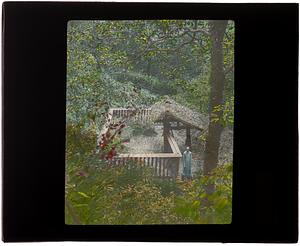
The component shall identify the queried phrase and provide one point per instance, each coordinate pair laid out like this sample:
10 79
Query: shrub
200 207
97 192
104 194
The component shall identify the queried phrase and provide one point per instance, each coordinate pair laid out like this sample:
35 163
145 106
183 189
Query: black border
265 194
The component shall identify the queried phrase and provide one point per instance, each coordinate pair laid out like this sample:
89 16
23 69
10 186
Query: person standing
187 163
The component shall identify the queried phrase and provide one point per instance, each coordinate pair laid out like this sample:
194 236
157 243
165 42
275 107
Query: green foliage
103 194
194 93
224 114
168 187
129 63
146 82
79 142
200 207
98 193
108 60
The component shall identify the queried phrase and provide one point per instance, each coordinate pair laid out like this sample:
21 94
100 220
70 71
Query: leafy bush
80 142
97 192
103 194
203 208
168 187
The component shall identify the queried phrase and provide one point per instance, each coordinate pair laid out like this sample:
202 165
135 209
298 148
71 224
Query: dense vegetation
97 193
134 64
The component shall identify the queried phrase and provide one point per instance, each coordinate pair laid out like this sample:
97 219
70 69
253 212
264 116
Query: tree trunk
217 81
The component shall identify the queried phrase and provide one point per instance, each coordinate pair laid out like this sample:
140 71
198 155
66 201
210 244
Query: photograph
149 122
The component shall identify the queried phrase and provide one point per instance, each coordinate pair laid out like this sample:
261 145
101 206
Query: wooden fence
139 115
164 165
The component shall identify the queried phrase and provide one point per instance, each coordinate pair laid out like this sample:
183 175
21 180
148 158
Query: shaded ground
141 143
153 143
149 139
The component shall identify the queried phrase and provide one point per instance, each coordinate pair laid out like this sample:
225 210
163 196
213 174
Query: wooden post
168 166
166 130
188 141
163 167
177 167
160 166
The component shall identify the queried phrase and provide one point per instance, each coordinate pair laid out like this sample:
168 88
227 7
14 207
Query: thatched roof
181 113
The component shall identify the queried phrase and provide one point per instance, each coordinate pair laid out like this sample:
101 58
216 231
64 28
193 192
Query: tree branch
199 30
187 31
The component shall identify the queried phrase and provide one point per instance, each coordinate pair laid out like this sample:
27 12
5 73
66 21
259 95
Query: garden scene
149 122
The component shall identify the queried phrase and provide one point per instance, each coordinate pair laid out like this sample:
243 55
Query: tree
217 82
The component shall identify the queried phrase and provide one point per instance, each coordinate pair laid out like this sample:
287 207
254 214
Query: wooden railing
164 165
141 115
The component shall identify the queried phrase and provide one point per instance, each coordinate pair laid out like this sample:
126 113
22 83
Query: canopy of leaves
129 64
121 63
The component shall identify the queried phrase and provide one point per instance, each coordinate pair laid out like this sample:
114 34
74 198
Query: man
187 163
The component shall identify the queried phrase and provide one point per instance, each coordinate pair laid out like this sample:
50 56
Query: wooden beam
179 127
159 155
172 118
166 131
173 144
188 141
